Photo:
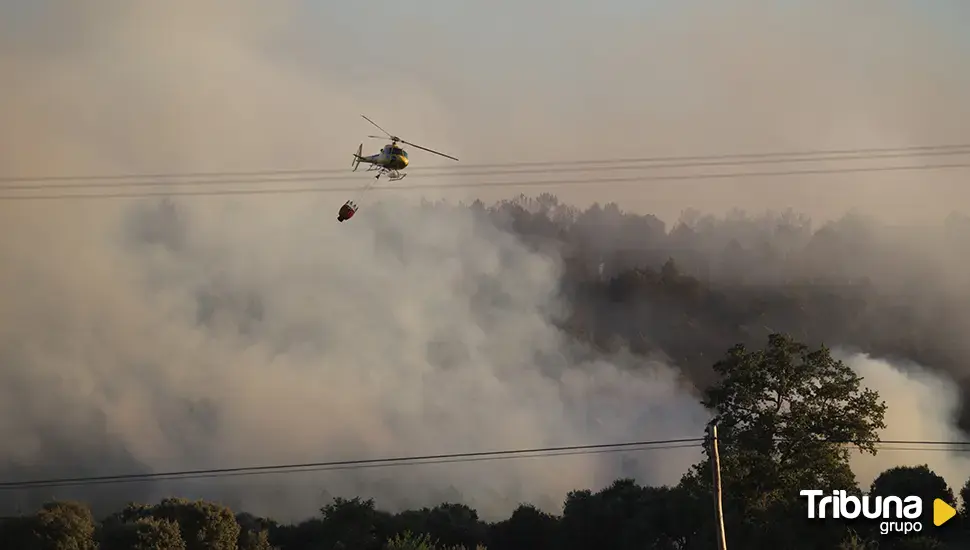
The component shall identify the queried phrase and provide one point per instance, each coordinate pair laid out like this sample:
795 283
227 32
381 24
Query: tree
145 533
65 526
625 516
455 525
254 540
353 524
965 497
254 532
918 481
856 542
203 525
410 541
527 528
18 532
785 413
916 543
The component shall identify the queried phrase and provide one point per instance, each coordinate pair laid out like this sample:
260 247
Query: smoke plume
921 406
200 342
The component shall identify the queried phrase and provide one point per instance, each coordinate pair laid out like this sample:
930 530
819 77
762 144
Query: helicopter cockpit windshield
398 151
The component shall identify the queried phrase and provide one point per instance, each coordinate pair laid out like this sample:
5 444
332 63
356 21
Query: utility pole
716 471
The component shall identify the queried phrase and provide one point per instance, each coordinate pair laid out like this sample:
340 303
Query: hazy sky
502 82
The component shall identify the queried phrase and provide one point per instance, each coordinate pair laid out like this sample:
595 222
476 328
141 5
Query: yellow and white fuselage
391 160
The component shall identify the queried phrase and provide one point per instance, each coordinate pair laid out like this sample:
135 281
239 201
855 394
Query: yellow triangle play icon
942 512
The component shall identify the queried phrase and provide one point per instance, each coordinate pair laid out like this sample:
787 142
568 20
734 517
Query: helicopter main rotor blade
395 138
429 150
378 127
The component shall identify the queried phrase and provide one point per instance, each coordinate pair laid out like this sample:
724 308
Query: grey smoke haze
205 342
138 87
270 333
921 408
894 291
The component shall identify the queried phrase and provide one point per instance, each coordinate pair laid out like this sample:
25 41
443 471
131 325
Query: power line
520 183
358 464
331 468
610 166
794 156
451 458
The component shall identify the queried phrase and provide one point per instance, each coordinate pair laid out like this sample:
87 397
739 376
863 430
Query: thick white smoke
194 339
922 406
264 331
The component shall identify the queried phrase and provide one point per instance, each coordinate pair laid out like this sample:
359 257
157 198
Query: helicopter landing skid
391 175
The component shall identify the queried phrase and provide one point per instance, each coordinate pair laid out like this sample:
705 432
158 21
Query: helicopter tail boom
357 157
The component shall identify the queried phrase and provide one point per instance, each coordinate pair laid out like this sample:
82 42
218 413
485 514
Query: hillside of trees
789 416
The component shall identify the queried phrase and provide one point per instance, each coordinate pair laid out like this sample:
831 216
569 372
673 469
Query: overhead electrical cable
696 160
266 178
364 463
451 458
483 184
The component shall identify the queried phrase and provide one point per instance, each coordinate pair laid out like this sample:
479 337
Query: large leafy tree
624 516
787 417
146 533
254 532
203 525
528 528
919 481
913 480
64 526
353 524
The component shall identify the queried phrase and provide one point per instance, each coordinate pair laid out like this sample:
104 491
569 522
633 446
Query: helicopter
391 159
